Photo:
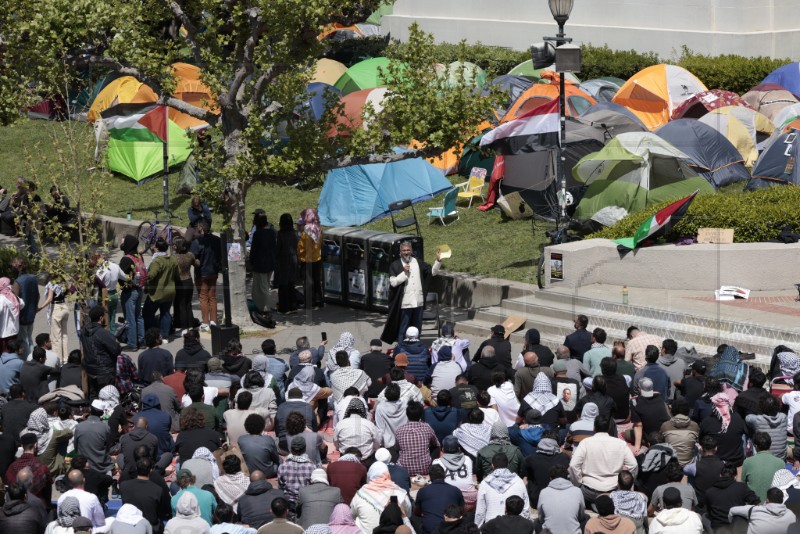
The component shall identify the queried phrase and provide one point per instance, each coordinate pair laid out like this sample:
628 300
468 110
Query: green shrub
599 61
9 253
755 216
730 72
493 59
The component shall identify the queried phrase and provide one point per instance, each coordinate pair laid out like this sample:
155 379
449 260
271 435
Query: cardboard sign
723 236
513 323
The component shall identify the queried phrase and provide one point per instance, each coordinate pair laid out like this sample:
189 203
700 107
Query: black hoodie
136 437
254 505
480 374
100 349
725 494
192 356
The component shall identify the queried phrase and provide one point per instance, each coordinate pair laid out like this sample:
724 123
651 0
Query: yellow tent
124 90
743 127
652 94
328 71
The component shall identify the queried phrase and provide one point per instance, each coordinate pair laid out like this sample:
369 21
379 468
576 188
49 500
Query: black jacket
578 343
262 250
506 524
376 364
706 475
725 494
71 375
254 505
33 377
460 526
502 350
206 249
135 438
14 415
537 469
193 356
100 349
480 374
19 516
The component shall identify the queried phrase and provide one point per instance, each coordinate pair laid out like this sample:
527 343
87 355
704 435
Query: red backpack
138 279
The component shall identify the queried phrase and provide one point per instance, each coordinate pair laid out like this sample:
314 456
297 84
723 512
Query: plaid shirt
41 473
126 374
415 440
293 475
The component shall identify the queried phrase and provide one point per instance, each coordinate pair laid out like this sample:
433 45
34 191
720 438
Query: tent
462 73
340 32
786 115
535 75
769 99
512 86
633 171
52 108
473 156
698 105
328 71
787 76
360 194
386 8
537 94
792 125
124 90
777 165
602 89
363 75
612 119
655 92
354 104
318 97
84 98
448 162
709 152
745 128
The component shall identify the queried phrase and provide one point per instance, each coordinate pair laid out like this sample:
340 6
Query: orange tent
537 94
652 94
448 161
124 90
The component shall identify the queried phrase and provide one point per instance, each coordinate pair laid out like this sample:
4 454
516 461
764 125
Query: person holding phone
408 282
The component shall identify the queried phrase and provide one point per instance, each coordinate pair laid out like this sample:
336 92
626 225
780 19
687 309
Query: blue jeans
164 322
409 317
132 309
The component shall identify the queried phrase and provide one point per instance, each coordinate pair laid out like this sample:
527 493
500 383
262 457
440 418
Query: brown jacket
523 380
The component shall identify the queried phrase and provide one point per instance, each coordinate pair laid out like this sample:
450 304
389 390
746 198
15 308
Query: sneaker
212 323
184 332
204 327
164 341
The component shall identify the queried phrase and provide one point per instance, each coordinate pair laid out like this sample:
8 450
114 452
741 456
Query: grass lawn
482 243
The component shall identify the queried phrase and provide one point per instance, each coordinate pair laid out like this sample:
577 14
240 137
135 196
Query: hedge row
755 216
730 72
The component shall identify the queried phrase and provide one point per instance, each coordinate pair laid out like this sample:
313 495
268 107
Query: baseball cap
559 366
401 360
499 330
298 443
450 444
699 366
81 524
646 387
184 473
376 343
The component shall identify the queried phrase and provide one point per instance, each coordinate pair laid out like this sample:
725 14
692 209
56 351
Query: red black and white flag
659 224
535 131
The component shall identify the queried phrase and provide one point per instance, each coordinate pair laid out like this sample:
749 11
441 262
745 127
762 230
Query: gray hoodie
770 518
389 416
674 367
561 507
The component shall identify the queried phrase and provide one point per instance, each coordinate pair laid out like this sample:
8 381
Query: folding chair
448 207
431 311
405 222
472 188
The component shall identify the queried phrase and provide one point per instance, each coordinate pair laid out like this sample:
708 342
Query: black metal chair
400 224
430 314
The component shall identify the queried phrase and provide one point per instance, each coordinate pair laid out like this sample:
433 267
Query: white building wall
744 27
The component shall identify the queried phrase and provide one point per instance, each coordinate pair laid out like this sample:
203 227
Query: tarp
328 71
360 194
655 92
769 99
745 128
709 152
633 171
777 165
363 75
577 100
787 76
699 104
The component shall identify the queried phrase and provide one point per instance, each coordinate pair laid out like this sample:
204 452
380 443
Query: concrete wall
754 266
745 27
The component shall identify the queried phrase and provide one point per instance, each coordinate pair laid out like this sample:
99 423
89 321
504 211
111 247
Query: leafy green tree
257 57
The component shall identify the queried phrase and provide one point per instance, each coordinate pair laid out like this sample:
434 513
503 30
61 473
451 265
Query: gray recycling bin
383 250
333 281
356 272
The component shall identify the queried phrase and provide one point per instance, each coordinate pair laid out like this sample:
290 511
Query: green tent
363 75
140 159
526 70
633 171
462 73
386 8
471 157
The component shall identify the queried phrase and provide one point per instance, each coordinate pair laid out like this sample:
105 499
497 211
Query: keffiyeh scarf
472 437
629 503
346 343
68 510
346 377
721 408
789 363
500 480
304 381
542 397
202 453
39 424
231 487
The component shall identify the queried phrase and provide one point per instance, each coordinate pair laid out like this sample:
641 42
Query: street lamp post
561 9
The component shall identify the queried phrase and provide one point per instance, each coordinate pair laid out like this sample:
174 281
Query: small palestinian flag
535 131
659 224
136 122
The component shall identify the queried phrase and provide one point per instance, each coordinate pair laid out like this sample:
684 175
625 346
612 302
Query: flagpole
166 162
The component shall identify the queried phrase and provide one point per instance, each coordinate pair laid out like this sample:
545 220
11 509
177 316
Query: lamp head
560 9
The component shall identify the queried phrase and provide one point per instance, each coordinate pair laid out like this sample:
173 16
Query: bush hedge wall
755 216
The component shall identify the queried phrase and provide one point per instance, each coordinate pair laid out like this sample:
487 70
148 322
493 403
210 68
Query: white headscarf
129 514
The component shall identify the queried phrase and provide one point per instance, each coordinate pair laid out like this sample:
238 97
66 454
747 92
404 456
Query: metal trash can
383 250
356 273
333 282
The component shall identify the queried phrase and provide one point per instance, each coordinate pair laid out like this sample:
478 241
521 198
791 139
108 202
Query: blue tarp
360 194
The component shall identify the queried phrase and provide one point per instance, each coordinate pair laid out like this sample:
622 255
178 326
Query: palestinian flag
535 131
136 122
659 224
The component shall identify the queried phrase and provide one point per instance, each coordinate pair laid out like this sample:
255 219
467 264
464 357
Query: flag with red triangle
659 224
137 122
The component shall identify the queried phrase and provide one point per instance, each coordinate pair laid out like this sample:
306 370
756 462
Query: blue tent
787 76
777 165
318 96
360 194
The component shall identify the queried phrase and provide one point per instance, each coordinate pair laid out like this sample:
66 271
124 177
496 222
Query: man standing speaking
408 281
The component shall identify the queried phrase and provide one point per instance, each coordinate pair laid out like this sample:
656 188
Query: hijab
187 506
379 487
730 369
542 397
202 453
39 424
5 290
346 343
129 514
341 521
304 381
68 510
311 224
499 433
789 361
721 408
319 528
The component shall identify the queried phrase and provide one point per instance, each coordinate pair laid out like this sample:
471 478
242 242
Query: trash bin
383 250
356 273
333 283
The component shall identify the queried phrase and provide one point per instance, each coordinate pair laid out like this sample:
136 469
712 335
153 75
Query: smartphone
324 336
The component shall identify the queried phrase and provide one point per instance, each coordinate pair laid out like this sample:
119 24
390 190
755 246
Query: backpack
139 278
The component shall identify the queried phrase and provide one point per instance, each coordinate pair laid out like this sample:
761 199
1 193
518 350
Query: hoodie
610 523
445 419
677 521
480 374
389 416
681 433
158 422
101 349
192 356
561 507
133 439
770 518
254 505
187 517
775 426
19 516
675 368
724 495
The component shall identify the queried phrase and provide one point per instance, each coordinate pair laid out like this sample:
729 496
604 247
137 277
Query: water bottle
625 295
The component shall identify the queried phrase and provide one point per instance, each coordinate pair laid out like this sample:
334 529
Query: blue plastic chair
448 207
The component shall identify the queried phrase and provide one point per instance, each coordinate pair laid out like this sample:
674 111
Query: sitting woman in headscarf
341 521
68 510
370 501
49 441
346 343
731 370
312 393
129 520
785 364
187 517
261 364
459 346
545 401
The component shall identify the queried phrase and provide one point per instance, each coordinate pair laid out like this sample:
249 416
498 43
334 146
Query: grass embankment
482 243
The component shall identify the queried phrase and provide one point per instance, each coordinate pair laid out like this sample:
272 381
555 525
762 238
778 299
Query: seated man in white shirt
90 504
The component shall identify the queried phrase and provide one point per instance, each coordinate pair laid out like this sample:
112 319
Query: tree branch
189 109
245 56
263 82
191 32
